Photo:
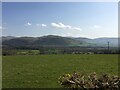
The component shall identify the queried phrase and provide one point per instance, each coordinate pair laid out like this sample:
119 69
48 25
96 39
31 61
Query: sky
0 19
69 19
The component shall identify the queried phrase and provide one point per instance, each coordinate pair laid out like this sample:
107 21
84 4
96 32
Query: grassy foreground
42 71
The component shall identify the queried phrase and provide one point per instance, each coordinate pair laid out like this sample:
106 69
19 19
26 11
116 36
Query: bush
77 80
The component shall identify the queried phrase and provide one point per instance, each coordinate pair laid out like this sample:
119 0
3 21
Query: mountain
7 38
49 40
104 41
87 40
56 41
100 41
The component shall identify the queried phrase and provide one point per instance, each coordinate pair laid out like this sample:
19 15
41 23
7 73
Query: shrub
77 80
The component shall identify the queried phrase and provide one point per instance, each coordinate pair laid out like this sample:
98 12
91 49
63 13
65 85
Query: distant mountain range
52 40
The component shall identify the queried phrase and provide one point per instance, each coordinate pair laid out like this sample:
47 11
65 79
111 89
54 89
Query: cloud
97 26
28 24
41 25
55 25
2 28
63 26
76 28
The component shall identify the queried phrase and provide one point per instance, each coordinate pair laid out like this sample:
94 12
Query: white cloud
41 25
76 28
68 27
28 24
97 26
63 26
55 25
2 28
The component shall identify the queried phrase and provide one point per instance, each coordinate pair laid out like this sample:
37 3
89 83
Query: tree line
59 50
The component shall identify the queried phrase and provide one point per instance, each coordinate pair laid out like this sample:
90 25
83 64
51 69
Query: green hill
49 40
57 41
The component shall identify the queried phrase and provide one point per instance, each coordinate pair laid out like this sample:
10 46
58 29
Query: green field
42 71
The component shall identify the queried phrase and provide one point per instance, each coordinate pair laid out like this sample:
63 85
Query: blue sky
83 19
0 11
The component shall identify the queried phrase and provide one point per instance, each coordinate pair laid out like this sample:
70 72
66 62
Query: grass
42 71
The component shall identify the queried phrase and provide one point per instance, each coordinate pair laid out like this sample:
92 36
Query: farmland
42 71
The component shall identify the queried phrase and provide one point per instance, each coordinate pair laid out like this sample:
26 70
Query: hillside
56 41
100 41
49 40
